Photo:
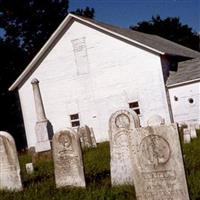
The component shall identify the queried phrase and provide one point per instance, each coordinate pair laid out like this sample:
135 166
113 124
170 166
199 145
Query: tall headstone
9 165
193 132
67 155
186 135
43 128
155 120
158 164
94 143
121 125
85 136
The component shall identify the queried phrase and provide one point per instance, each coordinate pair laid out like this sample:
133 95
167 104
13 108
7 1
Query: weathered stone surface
85 137
9 165
29 168
44 132
94 143
186 135
43 128
67 157
193 132
121 125
155 120
157 164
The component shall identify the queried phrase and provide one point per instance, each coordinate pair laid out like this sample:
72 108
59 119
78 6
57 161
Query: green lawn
41 185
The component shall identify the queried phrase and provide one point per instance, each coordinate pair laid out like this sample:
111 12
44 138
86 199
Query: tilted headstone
186 135
121 125
43 128
193 132
158 164
9 165
29 168
155 120
85 136
94 143
67 156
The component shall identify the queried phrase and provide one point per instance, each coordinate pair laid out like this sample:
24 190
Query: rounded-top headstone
155 120
9 165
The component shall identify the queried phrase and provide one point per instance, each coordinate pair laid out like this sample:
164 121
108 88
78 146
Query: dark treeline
27 24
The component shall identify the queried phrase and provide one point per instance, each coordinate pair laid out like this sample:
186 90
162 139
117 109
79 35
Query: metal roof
188 72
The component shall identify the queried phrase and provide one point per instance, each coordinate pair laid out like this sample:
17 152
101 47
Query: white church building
88 69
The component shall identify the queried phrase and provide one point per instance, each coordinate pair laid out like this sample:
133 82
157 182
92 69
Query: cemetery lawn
41 186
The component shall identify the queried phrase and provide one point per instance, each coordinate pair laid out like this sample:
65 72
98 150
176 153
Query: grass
41 185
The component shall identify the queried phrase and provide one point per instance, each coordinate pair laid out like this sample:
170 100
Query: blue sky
128 12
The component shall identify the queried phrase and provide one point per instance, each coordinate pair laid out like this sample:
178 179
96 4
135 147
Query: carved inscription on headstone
158 164
9 165
68 162
121 125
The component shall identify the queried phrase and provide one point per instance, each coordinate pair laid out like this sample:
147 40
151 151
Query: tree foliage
170 28
27 25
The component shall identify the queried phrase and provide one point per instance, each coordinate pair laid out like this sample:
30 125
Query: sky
124 13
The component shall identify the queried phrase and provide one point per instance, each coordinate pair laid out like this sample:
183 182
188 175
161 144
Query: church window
74 118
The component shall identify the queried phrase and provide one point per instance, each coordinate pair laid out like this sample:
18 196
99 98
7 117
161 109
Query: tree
27 25
170 28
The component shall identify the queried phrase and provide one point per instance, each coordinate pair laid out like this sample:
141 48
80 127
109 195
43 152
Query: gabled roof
188 72
149 42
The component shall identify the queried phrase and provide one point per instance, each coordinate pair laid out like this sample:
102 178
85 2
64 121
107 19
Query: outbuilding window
135 106
75 122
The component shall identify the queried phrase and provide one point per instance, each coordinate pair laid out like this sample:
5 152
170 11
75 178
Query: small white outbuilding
184 90
88 69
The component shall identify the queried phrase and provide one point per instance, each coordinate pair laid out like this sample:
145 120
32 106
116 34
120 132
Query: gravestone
155 120
85 136
121 125
94 143
29 168
193 132
67 156
9 165
43 127
158 164
186 135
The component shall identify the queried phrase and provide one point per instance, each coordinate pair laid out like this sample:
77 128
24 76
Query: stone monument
85 137
158 164
155 120
67 156
29 168
193 132
186 135
9 165
43 128
94 143
121 125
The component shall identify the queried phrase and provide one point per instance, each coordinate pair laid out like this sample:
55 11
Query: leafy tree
170 28
27 25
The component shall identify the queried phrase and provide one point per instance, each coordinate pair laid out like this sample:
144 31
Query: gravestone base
41 156
44 133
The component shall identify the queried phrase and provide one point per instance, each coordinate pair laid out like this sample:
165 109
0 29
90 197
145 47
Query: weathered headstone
67 155
193 132
155 120
9 165
94 143
121 125
158 164
43 128
186 135
29 168
85 136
